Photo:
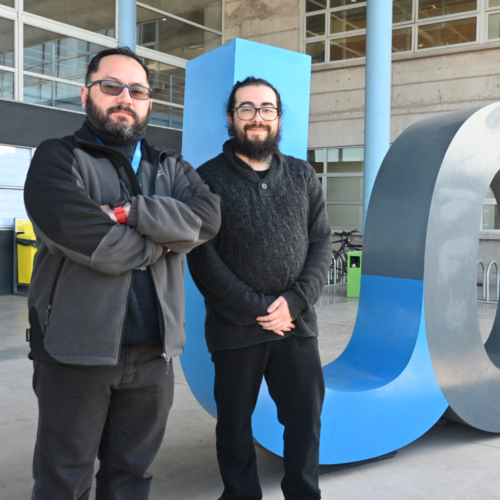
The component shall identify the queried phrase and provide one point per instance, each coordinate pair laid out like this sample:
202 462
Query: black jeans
118 413
294 376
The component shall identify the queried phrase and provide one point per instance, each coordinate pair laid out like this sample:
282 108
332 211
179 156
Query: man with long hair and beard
261 276
114 216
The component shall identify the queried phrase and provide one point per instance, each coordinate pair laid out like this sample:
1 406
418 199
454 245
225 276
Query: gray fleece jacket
83 269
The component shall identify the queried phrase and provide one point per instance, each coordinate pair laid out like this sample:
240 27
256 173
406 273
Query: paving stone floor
452 462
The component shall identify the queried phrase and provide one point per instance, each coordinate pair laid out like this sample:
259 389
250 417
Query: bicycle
338 268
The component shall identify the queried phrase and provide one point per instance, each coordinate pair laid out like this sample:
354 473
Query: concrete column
378 91
126 23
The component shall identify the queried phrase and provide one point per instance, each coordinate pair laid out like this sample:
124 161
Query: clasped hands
278 320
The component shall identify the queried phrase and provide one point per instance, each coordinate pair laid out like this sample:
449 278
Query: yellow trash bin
26 249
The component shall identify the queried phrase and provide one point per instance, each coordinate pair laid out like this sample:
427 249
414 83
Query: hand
111 212
279 319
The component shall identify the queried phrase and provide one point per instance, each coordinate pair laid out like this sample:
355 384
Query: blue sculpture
405 362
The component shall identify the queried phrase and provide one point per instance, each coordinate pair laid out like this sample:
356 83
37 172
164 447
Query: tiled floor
450 462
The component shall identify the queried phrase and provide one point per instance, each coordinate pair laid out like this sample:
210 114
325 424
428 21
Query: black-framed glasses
267 113
111 87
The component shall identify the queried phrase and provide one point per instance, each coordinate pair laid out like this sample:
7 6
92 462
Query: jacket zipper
152 190
127 193
162 322
52 293
152 182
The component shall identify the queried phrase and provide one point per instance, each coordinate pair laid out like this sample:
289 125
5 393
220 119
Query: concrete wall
423 85
273 22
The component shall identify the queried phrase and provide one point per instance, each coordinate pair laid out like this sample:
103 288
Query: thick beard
257 150
120 130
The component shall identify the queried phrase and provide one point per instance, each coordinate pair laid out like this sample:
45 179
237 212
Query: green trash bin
354 260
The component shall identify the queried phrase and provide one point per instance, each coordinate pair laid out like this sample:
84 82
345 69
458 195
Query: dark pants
118 413
292 369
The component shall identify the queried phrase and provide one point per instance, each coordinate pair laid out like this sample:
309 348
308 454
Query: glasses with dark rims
111 87
267 113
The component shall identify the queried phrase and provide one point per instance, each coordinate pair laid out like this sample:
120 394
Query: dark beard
257 150
120 131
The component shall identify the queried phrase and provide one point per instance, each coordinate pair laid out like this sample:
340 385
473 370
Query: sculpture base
325 469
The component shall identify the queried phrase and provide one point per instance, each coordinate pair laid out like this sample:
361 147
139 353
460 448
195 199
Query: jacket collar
86 138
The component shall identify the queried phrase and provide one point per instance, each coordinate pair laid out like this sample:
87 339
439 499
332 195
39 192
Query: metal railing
337 275
486 281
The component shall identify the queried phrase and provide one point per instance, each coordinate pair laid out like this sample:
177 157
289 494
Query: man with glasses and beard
261 277
114 216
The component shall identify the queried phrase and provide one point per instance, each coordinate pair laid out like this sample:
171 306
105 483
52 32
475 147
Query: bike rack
486 282
331 279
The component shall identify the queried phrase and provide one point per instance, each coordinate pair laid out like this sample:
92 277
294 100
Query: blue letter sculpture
416 347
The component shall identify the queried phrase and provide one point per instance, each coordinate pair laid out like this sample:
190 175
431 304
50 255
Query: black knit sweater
274 241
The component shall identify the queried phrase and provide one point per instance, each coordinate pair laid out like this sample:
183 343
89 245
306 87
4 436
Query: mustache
120 107
251 126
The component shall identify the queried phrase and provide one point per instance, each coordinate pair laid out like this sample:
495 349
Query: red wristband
120 215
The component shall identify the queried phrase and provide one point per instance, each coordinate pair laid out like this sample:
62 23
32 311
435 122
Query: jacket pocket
52 293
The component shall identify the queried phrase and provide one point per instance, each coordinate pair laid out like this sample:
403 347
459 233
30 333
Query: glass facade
47 63
317 51
494 26
347 48
6 85
336 31
92 15
50 93
343 21
50 54
171 36
447 33
402 11
167 82
166 116
433 8
6 42
314 5
491 217
315 25
340 171
206 13
14 164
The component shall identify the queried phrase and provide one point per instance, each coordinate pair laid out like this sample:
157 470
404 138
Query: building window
6 43
7 72
336 31
168 83
182 29
55 68
491 217
207 13
14 164
44 58
340 171
92 15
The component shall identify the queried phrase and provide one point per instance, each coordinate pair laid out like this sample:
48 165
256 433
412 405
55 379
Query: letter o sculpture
416 346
